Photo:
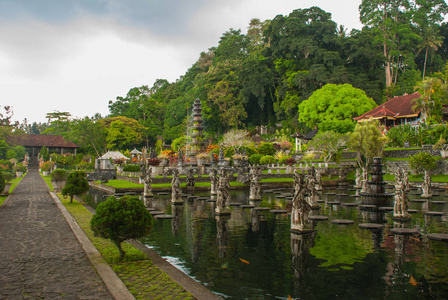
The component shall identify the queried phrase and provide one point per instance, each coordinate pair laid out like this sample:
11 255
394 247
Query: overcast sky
76 55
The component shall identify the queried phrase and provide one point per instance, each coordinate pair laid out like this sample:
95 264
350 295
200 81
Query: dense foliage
422 161
120 220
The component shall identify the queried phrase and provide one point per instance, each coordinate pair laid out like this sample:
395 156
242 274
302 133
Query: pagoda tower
197 138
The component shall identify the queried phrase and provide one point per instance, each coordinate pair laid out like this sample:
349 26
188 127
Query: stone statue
358 179
426 185
221 154
401 200
147 174
318 177
180 158
296 178
300 206
364 181
311 186
406 180
176 192
190 178
255 188
223 196
213 181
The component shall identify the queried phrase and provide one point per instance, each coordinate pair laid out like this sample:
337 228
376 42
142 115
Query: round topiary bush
120 220
267 159
76 184
58 175
254 159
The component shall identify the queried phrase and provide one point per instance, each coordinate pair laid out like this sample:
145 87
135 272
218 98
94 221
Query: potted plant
441 144
237 158
202 158
46 168
58 179
155 165
19 169
119 162
5 184
164 159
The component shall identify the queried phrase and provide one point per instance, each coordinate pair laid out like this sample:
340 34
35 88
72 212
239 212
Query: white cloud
76 56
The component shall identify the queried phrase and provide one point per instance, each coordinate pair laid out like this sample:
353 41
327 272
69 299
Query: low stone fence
391 167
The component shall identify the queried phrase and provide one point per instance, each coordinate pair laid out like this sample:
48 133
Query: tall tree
427 89
392 20
430 41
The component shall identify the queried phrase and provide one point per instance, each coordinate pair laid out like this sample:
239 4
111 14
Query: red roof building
395 112
34 142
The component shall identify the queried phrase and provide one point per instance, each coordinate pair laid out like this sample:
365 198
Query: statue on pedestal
401 200
255 188
358 179
426 185
301 208
190 178
176 192
311 186
223 196
147 174
213 181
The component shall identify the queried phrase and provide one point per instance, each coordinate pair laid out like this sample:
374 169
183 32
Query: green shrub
267 159
422 161
19 168
44 153
267 149
2 182
58 175
121 219
131 168
76 184
254 159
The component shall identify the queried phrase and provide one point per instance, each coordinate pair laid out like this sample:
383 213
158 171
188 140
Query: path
40 258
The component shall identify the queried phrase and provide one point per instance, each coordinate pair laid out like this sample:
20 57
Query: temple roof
397 107
40 140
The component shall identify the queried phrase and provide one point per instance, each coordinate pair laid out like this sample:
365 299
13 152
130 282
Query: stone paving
40 258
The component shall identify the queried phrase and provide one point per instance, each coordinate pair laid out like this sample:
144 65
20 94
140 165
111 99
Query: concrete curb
115 286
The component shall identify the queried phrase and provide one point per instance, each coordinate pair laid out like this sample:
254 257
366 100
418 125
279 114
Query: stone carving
301 208
176 192
146 176
213 181
180 158
358 179
311 186
426 185
364 181
190 178
255 188
223 196
401 200
318 180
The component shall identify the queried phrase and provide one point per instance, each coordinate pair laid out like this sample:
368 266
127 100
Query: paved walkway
40 258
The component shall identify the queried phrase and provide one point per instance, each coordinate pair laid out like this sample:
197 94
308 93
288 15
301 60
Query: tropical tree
427 89
430 41
368 141
330 143
122 132
235 139
333 107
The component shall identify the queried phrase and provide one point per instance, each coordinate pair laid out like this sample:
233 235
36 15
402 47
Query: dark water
252 254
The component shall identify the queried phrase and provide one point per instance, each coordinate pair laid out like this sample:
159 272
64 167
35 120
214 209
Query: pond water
251 254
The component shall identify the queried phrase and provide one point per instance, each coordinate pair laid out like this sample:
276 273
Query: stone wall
397 153
391 167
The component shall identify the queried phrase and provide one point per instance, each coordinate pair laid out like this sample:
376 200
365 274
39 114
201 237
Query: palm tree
427 89
431 40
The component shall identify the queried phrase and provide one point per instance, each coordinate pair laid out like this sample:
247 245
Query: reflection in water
251 254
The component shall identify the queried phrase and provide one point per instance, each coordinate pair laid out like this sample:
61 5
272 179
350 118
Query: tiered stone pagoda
376 193
197 143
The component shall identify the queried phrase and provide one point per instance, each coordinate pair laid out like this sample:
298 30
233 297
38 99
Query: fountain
376 193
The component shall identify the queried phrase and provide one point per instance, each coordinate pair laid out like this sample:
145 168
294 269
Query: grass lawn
123 184
14 183
141 277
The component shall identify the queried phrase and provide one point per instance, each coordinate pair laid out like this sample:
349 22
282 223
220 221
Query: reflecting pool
251 254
